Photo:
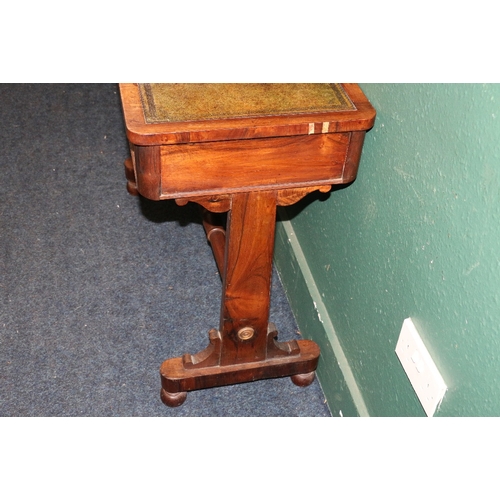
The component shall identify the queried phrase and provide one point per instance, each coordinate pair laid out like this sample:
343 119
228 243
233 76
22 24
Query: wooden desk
242 149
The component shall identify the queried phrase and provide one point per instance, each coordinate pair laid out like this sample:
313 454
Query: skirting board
334 373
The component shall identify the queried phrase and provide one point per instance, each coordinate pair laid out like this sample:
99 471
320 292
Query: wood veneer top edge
139 132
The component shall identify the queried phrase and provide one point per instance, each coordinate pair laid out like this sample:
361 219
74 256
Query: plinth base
177 378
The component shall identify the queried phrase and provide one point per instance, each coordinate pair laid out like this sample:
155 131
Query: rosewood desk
241 149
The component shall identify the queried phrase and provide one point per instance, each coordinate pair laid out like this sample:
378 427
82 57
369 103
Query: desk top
187 113
181 102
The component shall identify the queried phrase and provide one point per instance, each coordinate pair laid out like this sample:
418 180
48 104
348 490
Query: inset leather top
178 113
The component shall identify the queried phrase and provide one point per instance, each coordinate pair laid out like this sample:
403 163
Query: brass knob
246 333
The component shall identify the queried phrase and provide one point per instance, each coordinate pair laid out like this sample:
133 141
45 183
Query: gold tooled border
151 111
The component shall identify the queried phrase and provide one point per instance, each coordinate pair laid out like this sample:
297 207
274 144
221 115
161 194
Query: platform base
179 377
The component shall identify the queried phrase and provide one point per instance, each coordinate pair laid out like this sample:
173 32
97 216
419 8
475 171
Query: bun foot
173 399
303 379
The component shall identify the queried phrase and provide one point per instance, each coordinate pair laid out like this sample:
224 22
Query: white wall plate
420 368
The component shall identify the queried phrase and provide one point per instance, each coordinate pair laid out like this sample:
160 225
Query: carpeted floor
98 287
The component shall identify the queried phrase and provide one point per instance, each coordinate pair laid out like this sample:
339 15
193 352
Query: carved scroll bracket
214 203
221 203
290 196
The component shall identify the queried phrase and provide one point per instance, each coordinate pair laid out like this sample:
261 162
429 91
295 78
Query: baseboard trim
343 395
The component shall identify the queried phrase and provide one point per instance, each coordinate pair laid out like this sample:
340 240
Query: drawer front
242 165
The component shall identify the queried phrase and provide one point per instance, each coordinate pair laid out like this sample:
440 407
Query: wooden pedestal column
245 347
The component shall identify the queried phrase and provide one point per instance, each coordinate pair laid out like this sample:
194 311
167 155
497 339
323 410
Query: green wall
416 235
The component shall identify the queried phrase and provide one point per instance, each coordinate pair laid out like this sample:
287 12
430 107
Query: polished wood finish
244 166
141 133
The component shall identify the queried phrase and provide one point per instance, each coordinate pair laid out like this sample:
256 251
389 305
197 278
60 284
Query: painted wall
416 235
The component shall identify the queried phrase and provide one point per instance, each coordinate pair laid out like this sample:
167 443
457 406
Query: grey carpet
98 287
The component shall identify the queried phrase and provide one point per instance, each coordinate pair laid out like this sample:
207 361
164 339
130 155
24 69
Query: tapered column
247 277
245 348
